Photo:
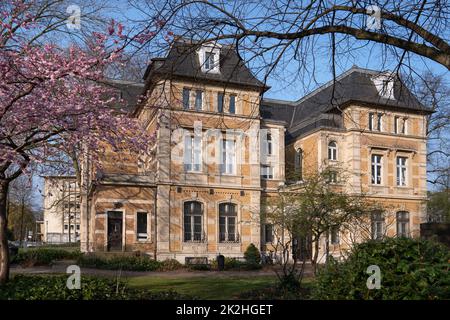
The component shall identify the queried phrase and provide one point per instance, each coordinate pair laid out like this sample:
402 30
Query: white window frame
379 122
228 154
332 150
378 166
401 171
213 48
193 153
267 172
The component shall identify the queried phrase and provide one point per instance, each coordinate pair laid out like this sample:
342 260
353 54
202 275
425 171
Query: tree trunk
4 249
316 255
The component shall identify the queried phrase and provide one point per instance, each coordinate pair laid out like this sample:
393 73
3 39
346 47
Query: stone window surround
205 220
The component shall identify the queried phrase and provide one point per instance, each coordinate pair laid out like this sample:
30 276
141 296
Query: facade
375 133
220 151
61 223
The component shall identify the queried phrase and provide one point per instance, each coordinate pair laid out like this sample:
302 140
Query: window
401 171
267 146
403 224
228 165
400 125
268 232
332 177
380 122
376 168
193 229
198 100
334 235
209 61
377 225
371 121
332 151
375 121
232 108
220 102
141 226
186 95
227 222
266 172
192 153
66 227
78 227
299 164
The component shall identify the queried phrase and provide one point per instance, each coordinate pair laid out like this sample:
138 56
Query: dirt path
61 266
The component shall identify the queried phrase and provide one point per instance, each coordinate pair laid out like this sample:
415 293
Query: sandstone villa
220 150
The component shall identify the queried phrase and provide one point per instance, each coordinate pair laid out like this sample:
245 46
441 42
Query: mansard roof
182 61
320 108
128 91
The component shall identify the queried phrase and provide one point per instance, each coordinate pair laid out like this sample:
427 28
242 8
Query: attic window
209 61
209 55
385 85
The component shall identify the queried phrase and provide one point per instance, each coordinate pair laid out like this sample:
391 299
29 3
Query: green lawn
204 287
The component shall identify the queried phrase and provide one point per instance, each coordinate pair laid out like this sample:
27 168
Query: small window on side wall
268 232
142 226
332 151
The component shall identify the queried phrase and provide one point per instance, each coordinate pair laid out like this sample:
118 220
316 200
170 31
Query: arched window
403 224
332 150
227 222
193 216
299 164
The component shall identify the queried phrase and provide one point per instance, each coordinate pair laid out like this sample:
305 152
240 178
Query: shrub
252 255
170 264
410 269
22 287
120 263
43 256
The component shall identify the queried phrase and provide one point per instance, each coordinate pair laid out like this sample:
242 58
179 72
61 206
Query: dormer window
385 85
209 61
209 55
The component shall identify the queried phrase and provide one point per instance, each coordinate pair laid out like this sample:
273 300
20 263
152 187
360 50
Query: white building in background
61 210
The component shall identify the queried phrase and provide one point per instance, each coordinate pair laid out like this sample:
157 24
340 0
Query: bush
120 263
235 264
43 256
252 255
170 265
410 269
22 287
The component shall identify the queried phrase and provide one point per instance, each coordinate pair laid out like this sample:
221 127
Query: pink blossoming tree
51 99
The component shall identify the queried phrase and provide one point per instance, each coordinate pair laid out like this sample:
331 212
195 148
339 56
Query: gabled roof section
355 85
183 61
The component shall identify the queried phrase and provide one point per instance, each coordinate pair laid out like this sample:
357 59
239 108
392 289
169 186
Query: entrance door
115 231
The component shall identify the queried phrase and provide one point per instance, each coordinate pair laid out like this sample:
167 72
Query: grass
208 288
